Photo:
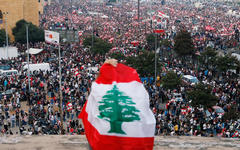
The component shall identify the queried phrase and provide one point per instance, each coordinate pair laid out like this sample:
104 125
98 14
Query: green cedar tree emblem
117 108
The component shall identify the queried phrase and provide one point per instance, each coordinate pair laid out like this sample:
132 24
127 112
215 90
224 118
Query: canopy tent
34 51
104 17
8 52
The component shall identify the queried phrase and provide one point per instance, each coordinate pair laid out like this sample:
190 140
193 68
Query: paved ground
68 142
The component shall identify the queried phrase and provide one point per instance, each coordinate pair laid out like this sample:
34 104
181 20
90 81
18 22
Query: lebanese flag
209 28
80 33
162 14
69 106
117 114
135 43
159 31
76 72
111 40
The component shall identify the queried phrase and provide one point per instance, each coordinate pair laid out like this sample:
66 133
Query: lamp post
155 66
92 32
60 87
138 10
6 13
156 31
29 85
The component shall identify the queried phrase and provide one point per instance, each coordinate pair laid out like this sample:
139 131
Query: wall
20 9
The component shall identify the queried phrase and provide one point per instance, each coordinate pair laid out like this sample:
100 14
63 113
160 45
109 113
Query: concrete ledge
78 142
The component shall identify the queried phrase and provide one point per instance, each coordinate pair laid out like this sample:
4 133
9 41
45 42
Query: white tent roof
34 51
104 16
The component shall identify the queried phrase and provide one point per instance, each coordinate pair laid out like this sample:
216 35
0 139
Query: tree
117 108
208 57
165 43
144 63
99 46
225 63
201 95
117 55
151 41
171 80
183 43
35 34
88 41
2 37
232 114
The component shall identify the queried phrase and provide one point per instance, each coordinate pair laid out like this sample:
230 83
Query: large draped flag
117 114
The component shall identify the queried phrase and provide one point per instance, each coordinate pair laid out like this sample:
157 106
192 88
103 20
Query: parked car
189 79
8 73
177 97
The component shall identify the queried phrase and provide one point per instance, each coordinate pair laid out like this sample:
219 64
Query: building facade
15 10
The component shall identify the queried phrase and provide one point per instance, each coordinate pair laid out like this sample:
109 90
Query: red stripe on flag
121 73
159 31
106 142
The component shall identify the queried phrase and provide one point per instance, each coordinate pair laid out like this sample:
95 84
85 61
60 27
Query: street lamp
6 13
156 31
29 85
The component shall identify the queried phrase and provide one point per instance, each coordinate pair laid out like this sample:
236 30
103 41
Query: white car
177 97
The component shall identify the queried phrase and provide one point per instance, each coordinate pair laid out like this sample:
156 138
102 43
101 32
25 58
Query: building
15 10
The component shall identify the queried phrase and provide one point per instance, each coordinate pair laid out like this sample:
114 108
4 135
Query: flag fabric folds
117 114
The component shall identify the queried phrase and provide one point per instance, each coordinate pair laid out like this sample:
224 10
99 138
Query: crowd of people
36 110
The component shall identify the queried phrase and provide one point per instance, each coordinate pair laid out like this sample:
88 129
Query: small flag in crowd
76 72
80 33
159 31
69 106
162 14
117 114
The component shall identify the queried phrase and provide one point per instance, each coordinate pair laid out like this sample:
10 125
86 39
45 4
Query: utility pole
155 67
138 10
29 85
6 13
60 87
28 72
92 33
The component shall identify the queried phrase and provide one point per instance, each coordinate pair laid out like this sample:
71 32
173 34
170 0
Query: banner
51 37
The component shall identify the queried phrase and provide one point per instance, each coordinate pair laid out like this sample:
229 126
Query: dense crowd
119 25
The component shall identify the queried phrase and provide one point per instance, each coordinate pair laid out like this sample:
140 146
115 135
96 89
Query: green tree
151 41
35 34
201 95
183 43
208 57
165 44
117 55
171 80
88 41
226 62
117 108
144 63
99 46
232 114
2 37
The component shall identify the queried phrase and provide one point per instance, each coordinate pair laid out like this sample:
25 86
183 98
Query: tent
34 51
9 52
104 17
